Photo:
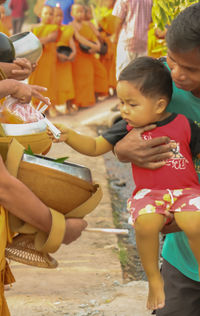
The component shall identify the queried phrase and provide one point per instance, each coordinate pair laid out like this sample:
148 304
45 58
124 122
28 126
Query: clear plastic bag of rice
14 112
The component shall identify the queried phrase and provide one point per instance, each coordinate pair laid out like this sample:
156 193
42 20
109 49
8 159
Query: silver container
66 167
27 45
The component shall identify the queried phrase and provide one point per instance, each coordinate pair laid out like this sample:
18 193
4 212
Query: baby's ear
161 105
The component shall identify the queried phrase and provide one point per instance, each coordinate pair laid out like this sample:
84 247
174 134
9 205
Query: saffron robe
90 76
64 78
6 276
108 27
44 74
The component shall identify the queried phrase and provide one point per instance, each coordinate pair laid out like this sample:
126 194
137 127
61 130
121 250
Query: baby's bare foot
156 296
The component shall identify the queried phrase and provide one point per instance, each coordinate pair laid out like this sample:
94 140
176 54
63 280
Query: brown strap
51 243
2 75
14 156
88 206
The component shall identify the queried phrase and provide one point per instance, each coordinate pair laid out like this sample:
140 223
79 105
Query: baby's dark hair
150 76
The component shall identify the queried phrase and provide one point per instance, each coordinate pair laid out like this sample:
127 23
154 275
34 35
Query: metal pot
65 50
67 167
27 45
7 50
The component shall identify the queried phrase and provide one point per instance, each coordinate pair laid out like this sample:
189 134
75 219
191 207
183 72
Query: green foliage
123 255
29 151
61 160
163 12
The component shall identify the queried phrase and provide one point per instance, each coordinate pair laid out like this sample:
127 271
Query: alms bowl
65 50
24 129
27 45
65 187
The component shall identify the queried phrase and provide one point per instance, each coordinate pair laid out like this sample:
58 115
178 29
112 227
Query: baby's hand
63 136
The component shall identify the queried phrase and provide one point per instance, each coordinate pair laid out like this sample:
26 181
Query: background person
64 78
65 5
17 7
134 17
44 74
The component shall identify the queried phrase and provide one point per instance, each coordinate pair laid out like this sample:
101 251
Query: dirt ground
88 280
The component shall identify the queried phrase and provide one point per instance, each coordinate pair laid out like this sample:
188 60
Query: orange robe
64 79
6 276
4 29
44 74
89 74
107 25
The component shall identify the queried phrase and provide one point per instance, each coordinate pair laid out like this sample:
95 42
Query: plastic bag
14 112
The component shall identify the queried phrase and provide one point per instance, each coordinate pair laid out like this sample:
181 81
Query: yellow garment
39 143
44 74
64 78
108 26
156 46
6 276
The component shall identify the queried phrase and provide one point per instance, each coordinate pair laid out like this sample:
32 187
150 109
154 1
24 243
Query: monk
44 73
90 76
64 80
107 27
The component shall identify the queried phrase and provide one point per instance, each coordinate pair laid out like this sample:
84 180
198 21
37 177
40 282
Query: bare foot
156 296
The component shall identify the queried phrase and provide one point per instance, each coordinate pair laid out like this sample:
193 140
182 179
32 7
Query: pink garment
147 201
18 7
136 16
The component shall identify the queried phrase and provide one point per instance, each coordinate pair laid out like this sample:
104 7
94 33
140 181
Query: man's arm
149 154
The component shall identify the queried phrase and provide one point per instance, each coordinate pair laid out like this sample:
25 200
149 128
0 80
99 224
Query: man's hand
74 228
23 69
150 154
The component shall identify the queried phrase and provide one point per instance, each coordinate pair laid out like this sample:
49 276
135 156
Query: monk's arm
73 47
117 26
21 202
52 37
81 39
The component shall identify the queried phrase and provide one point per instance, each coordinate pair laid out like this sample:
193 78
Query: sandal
62 109
52 112
72 108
